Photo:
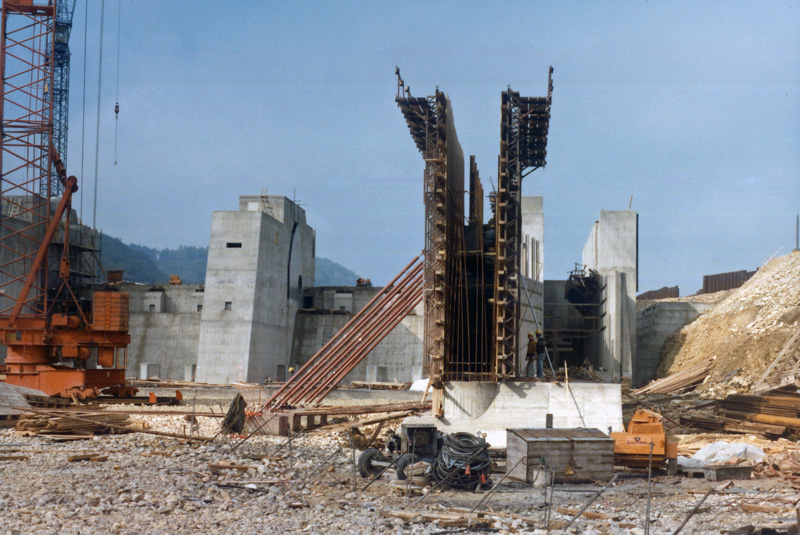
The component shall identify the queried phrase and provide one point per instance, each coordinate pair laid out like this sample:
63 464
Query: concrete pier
492 408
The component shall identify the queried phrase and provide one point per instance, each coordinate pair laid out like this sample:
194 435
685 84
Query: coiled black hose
463 462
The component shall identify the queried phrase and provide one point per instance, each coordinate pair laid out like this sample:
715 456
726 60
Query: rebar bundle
348 347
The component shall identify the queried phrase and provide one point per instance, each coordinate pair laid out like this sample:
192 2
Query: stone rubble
155 485
743 333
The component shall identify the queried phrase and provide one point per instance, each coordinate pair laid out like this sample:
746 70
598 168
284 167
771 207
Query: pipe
355 317
340 357
341 349
396 318
344 338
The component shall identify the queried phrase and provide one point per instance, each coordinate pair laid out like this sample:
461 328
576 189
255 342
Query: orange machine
632 448
64 333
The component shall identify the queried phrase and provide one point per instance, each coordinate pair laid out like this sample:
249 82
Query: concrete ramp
492 408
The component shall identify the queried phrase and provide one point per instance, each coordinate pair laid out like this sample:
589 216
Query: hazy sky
691 107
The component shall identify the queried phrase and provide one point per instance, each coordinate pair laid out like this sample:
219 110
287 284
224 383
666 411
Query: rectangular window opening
228 305
199 308
234 245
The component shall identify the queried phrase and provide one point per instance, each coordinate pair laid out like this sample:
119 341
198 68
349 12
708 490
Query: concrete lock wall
612 251
654 324
165 340
257 267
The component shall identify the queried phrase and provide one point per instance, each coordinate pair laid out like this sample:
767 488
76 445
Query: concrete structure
328 309
532 264
165 330
612 250
491 407
655 322
259 260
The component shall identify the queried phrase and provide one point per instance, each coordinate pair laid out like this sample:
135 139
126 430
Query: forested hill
149 265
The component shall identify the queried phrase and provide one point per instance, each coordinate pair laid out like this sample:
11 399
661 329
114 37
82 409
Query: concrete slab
492 408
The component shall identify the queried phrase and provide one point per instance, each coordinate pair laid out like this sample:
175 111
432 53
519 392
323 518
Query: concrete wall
612 251
655 322
257 267
398 356
163 342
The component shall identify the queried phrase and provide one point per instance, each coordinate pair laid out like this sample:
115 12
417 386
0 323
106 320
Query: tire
405 460
365 466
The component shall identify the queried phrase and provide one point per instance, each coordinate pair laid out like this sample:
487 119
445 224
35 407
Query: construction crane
64 334
61 59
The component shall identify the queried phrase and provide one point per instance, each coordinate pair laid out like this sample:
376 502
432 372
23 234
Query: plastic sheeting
722 452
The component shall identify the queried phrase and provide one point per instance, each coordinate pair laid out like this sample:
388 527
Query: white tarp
720 452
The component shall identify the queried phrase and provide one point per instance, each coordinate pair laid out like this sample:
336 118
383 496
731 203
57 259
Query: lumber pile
51 424
764 415
378 385
678 382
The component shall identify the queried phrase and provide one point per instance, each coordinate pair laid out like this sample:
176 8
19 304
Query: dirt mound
742 334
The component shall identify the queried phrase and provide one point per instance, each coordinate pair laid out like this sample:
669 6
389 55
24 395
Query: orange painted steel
344 341
351 341
369 345
351 355
309 366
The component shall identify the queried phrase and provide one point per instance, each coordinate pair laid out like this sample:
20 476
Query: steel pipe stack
348 347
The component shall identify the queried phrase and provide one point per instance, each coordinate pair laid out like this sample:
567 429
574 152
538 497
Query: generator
416 442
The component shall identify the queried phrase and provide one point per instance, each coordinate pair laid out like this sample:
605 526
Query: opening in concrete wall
233 245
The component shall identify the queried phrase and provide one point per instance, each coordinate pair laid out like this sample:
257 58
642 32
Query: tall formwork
430 121
471 273
524 125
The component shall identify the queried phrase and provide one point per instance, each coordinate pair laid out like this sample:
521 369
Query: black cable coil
463 462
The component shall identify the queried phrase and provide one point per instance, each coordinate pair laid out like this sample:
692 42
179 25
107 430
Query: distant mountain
149 265
329 273
137 265
188 262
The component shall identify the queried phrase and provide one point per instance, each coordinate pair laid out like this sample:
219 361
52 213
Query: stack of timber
777 415
378 385
678 382
784 370
328 418
52 424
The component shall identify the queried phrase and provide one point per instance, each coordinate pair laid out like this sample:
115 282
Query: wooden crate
573 455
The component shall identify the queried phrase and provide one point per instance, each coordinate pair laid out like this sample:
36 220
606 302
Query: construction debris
746 332
677 382
52 424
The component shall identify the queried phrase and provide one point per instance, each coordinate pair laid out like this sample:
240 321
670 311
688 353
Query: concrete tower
259 260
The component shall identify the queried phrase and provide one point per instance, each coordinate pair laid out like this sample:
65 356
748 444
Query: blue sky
691 107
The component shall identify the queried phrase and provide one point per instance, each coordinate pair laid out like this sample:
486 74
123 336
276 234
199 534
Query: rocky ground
149 484
744 332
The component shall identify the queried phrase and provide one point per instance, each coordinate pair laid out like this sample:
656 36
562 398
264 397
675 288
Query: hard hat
538 332
530 335
291 370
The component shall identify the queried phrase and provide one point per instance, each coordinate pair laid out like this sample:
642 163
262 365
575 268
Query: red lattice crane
60 336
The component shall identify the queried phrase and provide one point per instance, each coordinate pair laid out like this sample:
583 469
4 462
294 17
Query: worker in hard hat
291 371
530 356
541 353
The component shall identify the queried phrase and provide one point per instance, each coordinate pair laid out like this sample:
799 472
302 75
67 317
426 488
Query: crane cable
116 105
97 133
83 107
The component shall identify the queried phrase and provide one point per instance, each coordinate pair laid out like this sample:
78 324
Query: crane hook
116 110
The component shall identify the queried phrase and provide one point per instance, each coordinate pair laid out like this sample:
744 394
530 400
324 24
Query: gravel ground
159 485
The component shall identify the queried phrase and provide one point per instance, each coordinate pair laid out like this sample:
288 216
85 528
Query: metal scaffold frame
25 158
524 124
